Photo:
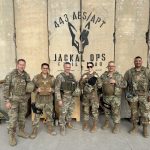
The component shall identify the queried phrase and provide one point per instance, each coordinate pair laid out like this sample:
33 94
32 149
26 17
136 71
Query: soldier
112 84
89 83
65 85
44 89
137 94
16 100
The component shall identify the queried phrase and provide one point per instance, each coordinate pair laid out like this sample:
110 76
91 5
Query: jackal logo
81 41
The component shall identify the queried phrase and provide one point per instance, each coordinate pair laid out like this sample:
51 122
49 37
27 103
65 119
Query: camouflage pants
90 100
46 104
16 114
140 107
114 103
65 112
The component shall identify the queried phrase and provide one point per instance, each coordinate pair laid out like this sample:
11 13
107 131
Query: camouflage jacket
58 85
15 84
84 83
120 82
48 82
138 81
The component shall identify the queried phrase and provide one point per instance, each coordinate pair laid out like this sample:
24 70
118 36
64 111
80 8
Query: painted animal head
79 41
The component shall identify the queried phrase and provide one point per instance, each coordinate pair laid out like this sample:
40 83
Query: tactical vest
44 84
18 84
139 81
108 89
69 83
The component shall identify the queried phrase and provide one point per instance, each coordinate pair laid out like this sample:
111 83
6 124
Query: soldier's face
67 68
111 67
138 62
21 66
45 69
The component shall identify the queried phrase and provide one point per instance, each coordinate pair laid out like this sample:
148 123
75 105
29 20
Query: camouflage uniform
44 99
64 87
112 95
137 94
15 92
90 98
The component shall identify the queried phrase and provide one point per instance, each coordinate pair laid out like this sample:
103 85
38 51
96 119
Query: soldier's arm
53 85
83 80
57 88
7 88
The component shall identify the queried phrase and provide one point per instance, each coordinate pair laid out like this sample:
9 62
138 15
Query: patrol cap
30 87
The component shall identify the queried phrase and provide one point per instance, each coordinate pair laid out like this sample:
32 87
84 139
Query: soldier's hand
112 81
50 90
39 90
60 103
148 99
8 105
84 77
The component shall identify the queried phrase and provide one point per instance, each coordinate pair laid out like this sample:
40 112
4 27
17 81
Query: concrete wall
76 31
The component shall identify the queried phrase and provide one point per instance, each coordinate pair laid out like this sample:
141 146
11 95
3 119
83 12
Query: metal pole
14 38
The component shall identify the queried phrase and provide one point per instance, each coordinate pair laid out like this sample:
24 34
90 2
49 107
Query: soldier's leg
86 111
71 106
21 119
12 123
48 109
95 113
107 111
62 116
134 116
35 123
144 107
115 108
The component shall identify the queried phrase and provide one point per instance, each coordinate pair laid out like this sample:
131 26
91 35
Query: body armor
69 83
44 84
108 89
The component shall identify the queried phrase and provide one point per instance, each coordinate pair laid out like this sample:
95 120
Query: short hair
138 57
44 64
21 60
90 63
111 62
65 63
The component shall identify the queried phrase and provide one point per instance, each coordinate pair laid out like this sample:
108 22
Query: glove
36 110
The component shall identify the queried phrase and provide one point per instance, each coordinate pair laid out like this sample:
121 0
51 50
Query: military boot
51 130
116 127
106 124
34 133
94 127
22 133
85 126
12 138
69 125
134 128
145 131
62 130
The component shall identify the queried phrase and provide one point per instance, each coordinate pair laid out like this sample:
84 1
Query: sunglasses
89 66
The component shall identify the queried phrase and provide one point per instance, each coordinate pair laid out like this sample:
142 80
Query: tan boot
134 128
12 139
145 131
106 124
94 127
116 128
69 125
34 133
85 126
62 130
22 133
51 130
